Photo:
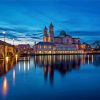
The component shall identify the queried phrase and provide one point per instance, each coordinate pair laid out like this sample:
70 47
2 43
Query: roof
75 38
57 37
45 43
63 33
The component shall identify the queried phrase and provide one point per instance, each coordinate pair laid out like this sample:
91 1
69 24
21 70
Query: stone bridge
7 50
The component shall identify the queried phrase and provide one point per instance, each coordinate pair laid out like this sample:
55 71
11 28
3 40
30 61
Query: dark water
67 77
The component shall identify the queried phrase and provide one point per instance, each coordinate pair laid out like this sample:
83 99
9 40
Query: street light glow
7 58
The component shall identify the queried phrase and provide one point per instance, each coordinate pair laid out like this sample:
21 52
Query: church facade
53 44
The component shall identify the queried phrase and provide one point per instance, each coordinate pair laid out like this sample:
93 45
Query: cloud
24 20
20 33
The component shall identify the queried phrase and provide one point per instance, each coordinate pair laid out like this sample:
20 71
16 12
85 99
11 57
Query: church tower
51 33
45 37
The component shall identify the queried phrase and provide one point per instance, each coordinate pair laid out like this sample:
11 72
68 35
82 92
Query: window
44 47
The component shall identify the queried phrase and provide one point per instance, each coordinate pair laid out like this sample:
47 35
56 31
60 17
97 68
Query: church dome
62 33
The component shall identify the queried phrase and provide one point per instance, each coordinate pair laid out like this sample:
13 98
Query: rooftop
63 34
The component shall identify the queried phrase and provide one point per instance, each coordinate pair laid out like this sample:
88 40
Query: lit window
44 46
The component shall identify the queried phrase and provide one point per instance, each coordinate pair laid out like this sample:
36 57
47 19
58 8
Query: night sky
24 20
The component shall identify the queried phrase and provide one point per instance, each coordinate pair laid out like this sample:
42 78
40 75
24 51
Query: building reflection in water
14 76
92 58
61 63
88 59
19 66
5 86
24 66
96 60
50 63
16 57
28 65
6 65
9 64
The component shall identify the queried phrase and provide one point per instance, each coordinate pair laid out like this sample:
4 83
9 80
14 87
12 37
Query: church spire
51 28
51 25
51 32
45 31
45 27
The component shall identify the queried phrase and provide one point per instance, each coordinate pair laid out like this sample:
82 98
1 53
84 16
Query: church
56 44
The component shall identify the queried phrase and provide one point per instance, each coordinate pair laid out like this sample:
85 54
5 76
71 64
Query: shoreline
26 55
60 54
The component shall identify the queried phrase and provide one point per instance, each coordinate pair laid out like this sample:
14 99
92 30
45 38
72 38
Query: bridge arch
9 51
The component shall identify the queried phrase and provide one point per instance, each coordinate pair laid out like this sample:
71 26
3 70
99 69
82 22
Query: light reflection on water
14 76
5 86
30 71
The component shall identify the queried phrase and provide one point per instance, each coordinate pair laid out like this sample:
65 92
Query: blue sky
24 20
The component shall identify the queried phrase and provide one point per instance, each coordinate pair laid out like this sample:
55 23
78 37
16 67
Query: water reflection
51 64
96 61
24 65
19 66
5 86
63 63
14 76
28 65
6 65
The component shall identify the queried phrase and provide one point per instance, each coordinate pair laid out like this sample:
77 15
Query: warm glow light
92 59
7 58
5 86
16 57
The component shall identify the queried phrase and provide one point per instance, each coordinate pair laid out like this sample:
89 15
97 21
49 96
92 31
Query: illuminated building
23 48
63 43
